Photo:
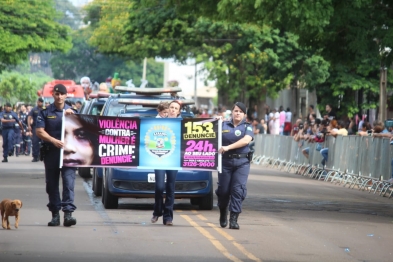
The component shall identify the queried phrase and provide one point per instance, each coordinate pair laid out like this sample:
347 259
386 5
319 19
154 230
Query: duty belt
235 155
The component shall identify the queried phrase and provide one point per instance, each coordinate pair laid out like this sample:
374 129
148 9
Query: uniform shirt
232 134
10 115
51 120
23 118
34 112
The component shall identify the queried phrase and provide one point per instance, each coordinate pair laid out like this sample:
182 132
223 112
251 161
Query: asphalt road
286 217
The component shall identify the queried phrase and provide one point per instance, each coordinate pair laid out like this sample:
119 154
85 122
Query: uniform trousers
35 144
52 177
232 183
8 141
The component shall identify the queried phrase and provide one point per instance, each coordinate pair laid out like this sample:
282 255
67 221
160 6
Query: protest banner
144 143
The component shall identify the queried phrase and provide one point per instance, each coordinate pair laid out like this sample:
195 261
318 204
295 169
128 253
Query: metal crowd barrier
353 161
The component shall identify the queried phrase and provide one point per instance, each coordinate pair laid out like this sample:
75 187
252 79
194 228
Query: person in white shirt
288 122
274 122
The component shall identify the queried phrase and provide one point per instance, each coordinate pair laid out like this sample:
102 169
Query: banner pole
62 139
219 168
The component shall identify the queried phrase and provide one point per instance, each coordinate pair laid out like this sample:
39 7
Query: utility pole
195 85
144 69
382 115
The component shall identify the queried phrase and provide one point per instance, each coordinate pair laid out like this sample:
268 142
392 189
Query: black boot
233 220
5 160
55 219
223 217
69 220
34 159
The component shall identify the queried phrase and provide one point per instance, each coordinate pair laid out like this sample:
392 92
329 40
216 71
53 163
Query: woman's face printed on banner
174 110
78 149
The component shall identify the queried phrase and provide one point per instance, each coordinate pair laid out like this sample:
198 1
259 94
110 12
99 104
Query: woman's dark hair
90 126
312 106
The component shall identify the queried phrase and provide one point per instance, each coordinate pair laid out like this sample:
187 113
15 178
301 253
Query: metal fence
353 161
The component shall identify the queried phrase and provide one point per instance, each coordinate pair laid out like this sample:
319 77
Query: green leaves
16 86
29 26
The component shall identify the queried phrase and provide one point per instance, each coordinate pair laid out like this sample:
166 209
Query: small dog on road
9 208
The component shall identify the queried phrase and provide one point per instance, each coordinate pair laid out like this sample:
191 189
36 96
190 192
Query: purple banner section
200 144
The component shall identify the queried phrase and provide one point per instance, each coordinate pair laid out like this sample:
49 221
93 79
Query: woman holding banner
236 157
160 208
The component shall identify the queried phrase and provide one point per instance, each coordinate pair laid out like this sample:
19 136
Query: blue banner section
160 143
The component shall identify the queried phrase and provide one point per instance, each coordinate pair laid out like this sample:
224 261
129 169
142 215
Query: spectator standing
78 105
87 86
282 120
264 125
288 122
276 122
330 114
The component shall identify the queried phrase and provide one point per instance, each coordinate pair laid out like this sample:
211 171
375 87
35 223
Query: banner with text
144 143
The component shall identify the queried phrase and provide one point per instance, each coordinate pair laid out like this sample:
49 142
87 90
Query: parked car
115 183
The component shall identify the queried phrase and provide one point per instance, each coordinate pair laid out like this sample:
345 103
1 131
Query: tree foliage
352 36
17 86
29 26
85 60
247 60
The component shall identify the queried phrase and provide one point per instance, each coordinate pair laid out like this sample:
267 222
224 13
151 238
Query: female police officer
49 124
236 135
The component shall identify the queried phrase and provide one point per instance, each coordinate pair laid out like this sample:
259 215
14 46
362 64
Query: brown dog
9 208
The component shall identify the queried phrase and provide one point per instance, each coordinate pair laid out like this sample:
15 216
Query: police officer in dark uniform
8 121
32 122
49 127
26 139
232 190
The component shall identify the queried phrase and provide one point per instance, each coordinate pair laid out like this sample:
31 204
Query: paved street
286 217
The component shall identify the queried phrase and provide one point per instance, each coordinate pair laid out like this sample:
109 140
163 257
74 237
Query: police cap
60 88
7 104
241 106
40 99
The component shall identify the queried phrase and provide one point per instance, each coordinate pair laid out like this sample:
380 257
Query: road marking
202 217
239 246
214 241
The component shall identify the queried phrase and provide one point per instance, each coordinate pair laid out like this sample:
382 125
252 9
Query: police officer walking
8 121
26 137
232 190
49 127
31 123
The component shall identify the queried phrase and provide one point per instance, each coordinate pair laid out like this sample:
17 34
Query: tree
248 61
29 26
344 33
85 60
17 86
